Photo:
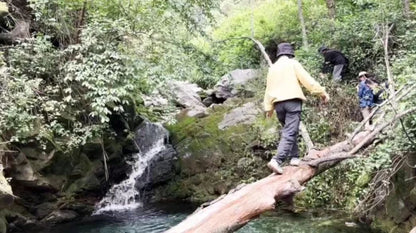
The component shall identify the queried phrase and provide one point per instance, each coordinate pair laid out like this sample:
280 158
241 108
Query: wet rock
45 209
60 216
161 165
88 183
245 114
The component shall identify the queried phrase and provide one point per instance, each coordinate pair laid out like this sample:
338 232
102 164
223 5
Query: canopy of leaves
88 60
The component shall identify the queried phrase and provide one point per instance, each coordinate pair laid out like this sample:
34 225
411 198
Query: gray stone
44 209
155 99
232 83
208 101
6 193
187 96
89 182
21 168
161 166
3 225
60 216
245 114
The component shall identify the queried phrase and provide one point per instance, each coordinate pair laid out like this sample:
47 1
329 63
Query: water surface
159 218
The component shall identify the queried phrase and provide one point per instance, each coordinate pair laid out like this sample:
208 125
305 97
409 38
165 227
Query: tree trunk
385 42
406 8
330 4
302 24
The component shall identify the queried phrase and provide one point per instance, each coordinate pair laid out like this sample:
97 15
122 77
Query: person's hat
285 49
322 48
362 73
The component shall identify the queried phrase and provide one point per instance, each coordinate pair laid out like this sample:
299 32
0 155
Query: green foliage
257 21
94 59
343 186
57 19
66 96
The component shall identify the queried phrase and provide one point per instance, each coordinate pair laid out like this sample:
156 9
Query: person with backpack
284 95
334 61
380 89
366 97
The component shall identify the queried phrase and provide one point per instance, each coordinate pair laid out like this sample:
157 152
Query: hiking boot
275 166
294 162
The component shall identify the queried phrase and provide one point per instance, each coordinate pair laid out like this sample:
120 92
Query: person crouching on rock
284 95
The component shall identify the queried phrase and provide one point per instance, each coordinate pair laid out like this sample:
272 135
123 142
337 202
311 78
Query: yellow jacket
283 82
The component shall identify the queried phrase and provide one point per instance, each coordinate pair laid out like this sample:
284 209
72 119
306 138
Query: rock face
245 114
217 152
6 194
154 138
397 213
233 83
49 184
186 95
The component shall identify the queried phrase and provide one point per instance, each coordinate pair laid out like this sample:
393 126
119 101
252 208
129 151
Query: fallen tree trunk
232 211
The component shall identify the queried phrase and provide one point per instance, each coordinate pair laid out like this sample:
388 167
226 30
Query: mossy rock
88 183
3 224
213 161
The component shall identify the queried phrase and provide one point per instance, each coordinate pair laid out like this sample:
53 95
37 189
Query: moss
385 225
209 157
3 224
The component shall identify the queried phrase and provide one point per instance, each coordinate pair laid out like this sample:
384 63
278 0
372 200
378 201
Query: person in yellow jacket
284 95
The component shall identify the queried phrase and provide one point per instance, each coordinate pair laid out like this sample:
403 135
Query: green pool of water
158 218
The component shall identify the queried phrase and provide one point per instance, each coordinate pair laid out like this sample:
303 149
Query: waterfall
151 140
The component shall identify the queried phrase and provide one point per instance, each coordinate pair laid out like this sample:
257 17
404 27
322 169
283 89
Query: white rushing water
124 196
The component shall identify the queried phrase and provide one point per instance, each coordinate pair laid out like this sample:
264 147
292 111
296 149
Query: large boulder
245 114
234 83
153 141
186 95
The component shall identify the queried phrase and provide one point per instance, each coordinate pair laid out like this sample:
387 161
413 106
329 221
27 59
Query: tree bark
406 8
385 42
302 24
330 4
80 22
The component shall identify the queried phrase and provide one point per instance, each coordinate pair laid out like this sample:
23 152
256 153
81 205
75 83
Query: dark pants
288 112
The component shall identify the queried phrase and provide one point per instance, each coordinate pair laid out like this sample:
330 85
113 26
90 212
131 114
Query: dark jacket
332 58
366 95
335 57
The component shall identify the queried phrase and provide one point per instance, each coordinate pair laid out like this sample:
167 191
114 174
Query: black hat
285 49
322 48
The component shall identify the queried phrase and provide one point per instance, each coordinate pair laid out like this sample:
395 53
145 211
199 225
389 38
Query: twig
105 158
379 129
